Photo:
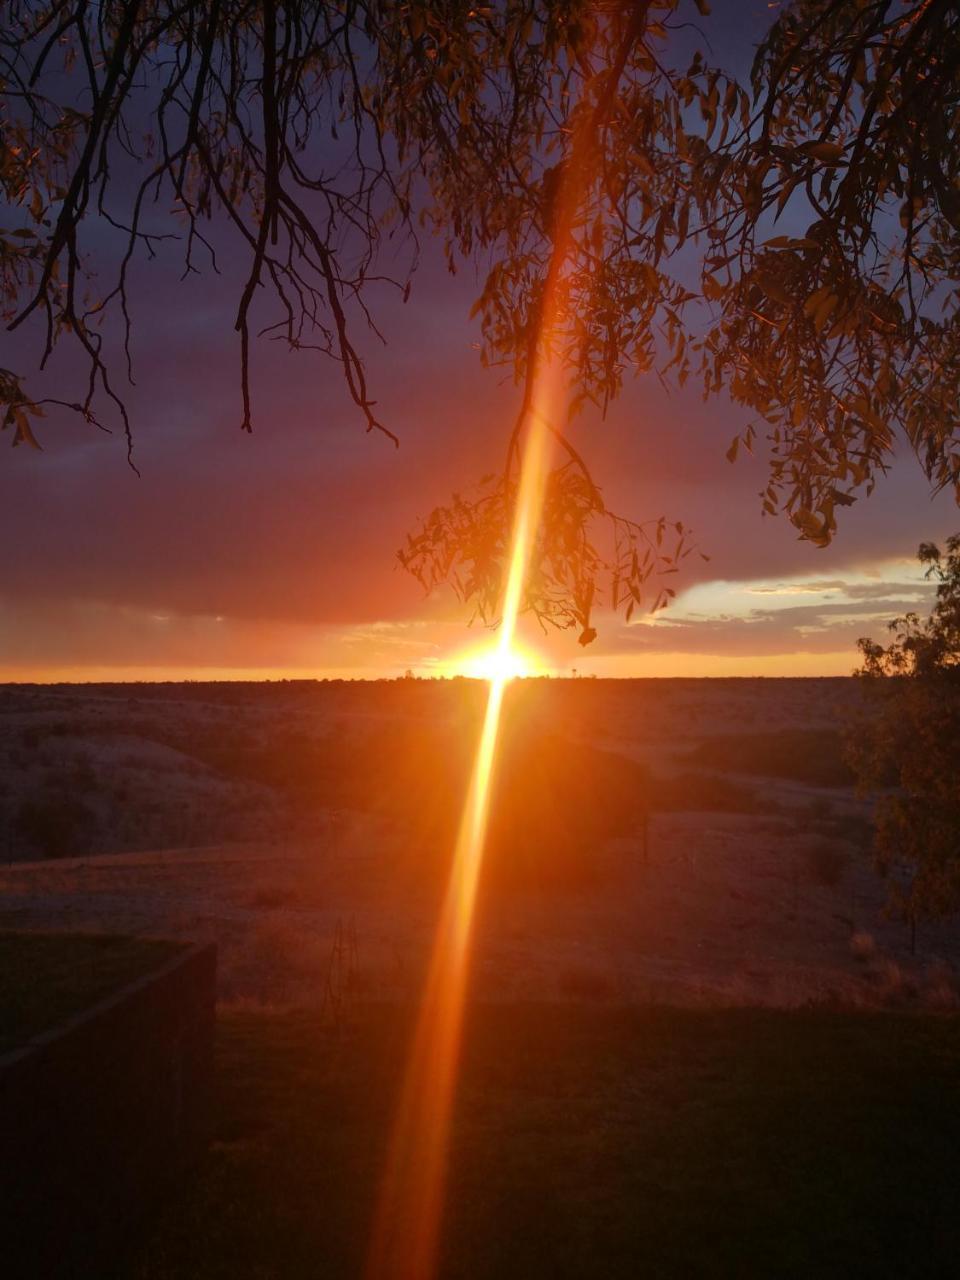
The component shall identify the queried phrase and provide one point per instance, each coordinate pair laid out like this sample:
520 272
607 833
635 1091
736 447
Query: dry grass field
306 829
589 1143
695 1042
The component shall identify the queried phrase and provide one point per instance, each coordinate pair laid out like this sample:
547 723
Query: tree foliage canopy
908 745
792 242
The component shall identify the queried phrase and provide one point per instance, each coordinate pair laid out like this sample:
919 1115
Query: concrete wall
98 1115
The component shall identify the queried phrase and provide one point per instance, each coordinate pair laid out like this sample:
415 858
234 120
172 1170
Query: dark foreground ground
590 1142
765 1124
46 978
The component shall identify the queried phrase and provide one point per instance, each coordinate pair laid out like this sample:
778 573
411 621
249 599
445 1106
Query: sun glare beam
406 1230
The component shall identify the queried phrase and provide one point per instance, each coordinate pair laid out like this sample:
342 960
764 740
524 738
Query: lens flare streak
406 1230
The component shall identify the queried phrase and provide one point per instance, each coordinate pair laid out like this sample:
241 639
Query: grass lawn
46 978
590 1142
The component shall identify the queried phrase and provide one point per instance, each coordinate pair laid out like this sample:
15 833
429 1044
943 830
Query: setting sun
495 664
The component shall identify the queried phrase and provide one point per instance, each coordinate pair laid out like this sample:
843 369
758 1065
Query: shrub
826 864
893 986
812 756
55 823
586 984
862 946
905 748
940 990
697 792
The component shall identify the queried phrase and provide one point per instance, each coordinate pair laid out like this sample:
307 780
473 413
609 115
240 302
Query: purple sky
275 552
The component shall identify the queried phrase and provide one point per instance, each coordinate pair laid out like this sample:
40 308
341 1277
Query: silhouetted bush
906 744
826 864
811 756
697 792
55 823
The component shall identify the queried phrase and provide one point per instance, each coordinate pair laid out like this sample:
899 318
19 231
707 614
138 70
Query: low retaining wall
97 1115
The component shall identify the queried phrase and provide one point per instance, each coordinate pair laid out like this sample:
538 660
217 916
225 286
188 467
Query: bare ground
725 911
774 907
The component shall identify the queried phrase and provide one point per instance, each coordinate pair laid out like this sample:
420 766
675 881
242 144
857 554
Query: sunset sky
274 554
